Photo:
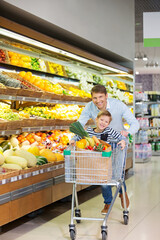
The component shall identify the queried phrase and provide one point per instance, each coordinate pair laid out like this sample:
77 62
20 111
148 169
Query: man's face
100 100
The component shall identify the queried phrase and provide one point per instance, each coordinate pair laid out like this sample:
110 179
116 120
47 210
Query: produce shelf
148 102
146 128
45 128
154 138
9 132
155 153
142 160
36 128
31 99
38 72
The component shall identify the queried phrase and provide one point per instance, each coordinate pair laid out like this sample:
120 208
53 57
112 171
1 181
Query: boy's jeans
107 192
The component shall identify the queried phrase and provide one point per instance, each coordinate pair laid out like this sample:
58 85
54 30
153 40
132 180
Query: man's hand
122 143
124 133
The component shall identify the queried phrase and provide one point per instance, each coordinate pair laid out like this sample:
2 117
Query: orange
37 83
32 79
14 62
32 140
28 73
42 85
26 77
47 87
22 74
43 134
14 57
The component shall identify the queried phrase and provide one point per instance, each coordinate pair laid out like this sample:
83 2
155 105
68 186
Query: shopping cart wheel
78 214
104 235
72 231
72 235
125 219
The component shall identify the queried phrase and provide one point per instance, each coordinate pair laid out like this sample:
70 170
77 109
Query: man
118 110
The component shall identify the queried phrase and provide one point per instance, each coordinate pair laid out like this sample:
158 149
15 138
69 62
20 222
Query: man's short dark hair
99 89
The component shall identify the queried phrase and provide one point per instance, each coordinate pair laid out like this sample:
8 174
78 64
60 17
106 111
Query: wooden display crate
3 125
13 125
49 95
29 93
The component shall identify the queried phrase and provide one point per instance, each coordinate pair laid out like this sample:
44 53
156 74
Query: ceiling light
152 64
145 57
156 64
140 56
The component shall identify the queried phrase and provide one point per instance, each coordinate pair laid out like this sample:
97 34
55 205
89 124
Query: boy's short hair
105 113
98 89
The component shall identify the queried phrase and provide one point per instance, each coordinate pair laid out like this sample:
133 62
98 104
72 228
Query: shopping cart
95 168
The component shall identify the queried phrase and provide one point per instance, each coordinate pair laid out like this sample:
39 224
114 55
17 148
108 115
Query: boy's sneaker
122 202
105 209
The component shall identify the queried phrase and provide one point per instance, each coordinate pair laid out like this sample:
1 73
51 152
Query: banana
87 143
96 140
91 141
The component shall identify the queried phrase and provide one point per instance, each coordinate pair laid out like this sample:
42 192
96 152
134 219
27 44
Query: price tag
35 173
54 168
26 175
60 166
48 169
14 179
20 177
4 181
41 171
10 97
3 132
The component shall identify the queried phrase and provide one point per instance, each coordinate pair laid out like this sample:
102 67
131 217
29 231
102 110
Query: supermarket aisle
144 193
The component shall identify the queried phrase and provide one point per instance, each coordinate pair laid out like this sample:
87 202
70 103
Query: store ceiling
153 54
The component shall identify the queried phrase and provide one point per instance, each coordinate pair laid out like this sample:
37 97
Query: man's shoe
105 209
122 202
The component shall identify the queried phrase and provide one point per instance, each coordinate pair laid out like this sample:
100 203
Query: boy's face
100 100
102 122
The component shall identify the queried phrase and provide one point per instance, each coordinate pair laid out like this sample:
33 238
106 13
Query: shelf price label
14 179
35 173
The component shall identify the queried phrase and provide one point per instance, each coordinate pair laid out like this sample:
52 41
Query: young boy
104 132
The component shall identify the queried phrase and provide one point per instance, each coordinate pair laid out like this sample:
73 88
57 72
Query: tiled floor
144 192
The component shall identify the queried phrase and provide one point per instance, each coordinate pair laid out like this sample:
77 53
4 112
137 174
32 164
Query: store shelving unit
37 188
146 115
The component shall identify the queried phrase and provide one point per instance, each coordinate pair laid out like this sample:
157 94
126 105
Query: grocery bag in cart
93 167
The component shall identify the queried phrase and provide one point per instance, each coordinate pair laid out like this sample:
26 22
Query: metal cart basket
95 168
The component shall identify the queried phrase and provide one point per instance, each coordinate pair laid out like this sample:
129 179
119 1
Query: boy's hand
124 133
72 142
122 143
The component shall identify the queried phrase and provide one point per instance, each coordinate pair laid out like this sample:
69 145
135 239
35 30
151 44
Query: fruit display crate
28 125
34 91
16 175
31 96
